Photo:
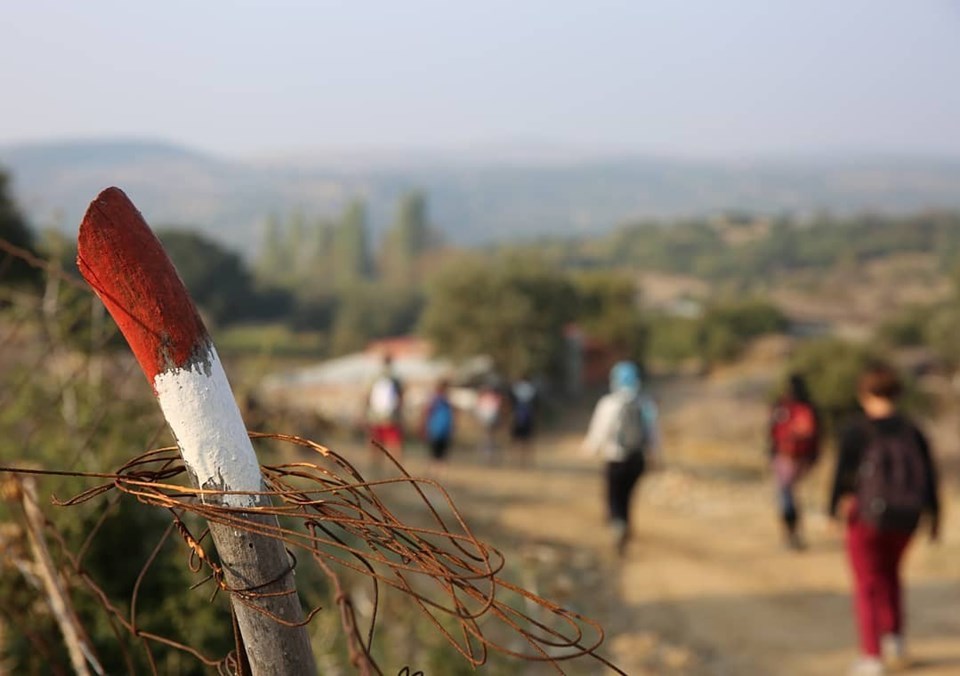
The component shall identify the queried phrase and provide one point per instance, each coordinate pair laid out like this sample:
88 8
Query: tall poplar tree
351 256
407 240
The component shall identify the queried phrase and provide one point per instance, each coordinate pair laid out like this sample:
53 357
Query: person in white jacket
624 432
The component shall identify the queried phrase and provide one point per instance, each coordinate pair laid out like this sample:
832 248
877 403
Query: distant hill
475 197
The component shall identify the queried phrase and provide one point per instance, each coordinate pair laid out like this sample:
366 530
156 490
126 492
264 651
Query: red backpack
795 431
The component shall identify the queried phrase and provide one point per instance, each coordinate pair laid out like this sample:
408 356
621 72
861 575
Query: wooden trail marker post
126 265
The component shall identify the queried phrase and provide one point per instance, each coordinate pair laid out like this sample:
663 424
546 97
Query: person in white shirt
384 411
624 432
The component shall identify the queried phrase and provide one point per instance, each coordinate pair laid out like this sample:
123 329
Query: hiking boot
894 652
621 534
795 542
867 665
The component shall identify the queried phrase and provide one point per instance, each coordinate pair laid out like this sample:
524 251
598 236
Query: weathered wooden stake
126 265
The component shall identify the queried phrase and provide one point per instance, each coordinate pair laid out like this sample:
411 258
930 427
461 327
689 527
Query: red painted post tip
127 267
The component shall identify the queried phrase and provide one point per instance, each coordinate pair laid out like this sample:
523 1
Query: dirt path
706 587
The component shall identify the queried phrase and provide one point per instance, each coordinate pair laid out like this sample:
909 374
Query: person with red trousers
885 480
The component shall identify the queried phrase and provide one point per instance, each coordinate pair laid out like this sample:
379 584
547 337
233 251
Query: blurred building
587 361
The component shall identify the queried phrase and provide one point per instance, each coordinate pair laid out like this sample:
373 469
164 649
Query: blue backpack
440 419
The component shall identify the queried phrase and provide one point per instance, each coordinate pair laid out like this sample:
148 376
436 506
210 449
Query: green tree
726 328
350 246
941 332
934 326
298 252
407 240
831 367
608 309
14 229
369 311
216 277
271 262
912 327
673 340
513 310
323 263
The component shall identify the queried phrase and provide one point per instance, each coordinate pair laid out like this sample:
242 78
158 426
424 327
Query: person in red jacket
794 448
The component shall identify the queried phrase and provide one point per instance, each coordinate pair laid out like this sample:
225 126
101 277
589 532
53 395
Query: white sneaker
894 651
867 666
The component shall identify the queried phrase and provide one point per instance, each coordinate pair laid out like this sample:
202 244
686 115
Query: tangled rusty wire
326 509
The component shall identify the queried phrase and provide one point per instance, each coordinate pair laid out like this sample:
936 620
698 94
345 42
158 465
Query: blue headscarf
625 376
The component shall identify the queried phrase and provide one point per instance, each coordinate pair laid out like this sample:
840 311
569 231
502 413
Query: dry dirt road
706 587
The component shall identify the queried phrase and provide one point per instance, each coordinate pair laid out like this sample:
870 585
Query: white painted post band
200 408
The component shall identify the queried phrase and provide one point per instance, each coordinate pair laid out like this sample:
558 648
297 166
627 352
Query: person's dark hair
797 388
879 379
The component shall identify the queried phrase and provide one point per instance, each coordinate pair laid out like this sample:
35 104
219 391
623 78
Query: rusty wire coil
328 513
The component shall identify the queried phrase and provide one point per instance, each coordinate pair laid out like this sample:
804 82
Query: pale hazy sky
689 77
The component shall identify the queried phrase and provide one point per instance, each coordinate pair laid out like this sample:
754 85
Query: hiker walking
438 423
794 448
523 408
384 410
623 430
488 410
885 480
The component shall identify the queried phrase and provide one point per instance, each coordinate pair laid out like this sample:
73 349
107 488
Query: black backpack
893 479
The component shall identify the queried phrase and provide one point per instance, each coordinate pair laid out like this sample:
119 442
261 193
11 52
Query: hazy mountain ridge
472 199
